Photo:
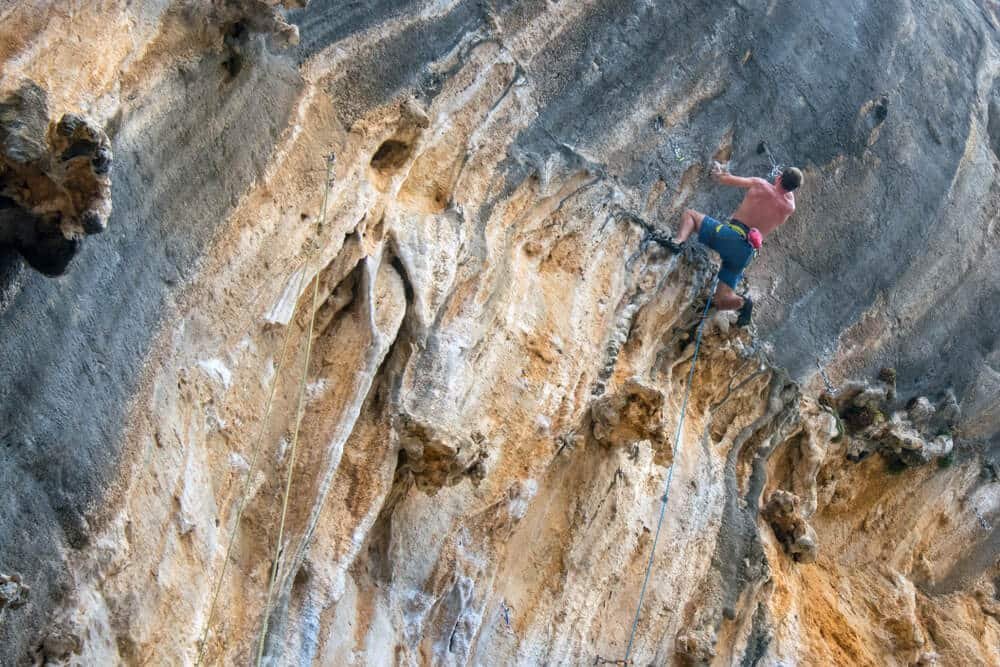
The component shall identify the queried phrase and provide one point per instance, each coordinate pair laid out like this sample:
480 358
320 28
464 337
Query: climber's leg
726 299
735 254
690 222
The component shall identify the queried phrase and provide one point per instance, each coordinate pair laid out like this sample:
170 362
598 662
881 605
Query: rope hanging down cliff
295 435
670 474
244 496
258 441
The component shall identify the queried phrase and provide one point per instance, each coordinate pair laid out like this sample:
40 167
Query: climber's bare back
765 206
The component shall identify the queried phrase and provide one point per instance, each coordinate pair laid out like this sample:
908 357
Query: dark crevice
759 640
378 563
391 156
993 123
385 390
302 577
397 264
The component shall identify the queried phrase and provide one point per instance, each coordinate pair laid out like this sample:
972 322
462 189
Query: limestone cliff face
498 361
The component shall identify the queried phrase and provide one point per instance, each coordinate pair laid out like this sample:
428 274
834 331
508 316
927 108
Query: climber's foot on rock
746 312
672 245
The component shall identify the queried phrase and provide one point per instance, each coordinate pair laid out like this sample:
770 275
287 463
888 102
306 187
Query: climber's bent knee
696 217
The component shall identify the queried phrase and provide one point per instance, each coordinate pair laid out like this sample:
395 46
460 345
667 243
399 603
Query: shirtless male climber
765 207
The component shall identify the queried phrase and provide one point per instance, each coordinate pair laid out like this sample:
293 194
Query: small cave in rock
391 156
233 64
302 577
235 39
881 110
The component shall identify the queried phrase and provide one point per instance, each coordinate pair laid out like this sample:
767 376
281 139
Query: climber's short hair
791 178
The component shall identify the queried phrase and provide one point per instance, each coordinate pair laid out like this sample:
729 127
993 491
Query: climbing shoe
746 312
671 245
662 240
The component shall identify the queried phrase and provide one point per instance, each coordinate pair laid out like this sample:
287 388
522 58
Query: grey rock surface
73 347
891 109
887 108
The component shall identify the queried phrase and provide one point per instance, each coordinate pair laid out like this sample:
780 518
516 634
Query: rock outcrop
783 512
499 348
54 180
256 16
13 592
914 436
632 415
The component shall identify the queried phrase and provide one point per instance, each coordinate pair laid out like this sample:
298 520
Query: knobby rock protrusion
911 437
630 415
783 511
260 16
14 593
55 180
438 457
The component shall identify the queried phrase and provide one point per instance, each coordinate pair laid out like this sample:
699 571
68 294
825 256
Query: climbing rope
258 441
670 474
288 479
244 496
776 168
295 435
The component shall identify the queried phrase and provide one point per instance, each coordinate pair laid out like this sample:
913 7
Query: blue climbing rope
670 473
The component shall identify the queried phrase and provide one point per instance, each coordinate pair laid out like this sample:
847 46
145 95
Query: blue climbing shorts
733 249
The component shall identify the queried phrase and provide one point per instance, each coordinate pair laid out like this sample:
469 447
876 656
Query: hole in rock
302 577
233 65
390 156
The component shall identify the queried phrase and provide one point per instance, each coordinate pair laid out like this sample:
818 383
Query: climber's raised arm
720 174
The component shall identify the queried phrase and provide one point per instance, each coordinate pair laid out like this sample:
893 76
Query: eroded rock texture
498 361
783 512
54 183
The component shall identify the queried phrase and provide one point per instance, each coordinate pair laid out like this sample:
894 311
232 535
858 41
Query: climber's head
790 179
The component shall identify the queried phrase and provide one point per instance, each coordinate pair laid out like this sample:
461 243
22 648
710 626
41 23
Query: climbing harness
295 434
258 441
751 235
670 474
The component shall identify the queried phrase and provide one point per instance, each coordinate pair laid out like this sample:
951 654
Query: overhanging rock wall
496 370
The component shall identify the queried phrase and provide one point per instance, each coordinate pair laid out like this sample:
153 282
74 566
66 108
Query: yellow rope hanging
246 485
295 436
244 497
